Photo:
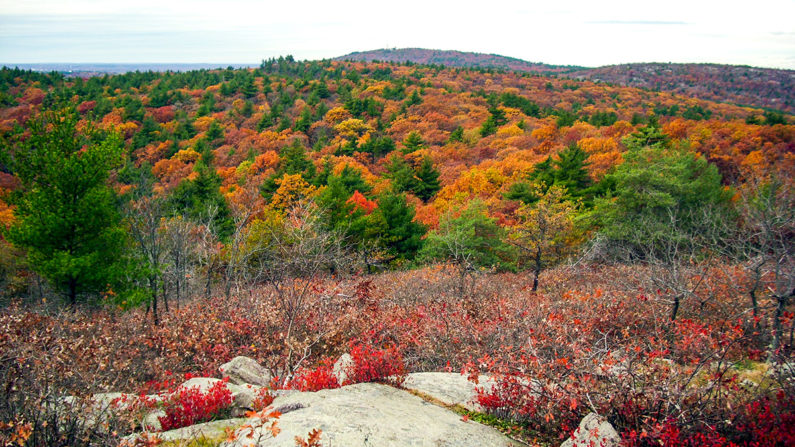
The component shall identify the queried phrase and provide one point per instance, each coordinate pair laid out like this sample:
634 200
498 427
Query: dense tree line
145 187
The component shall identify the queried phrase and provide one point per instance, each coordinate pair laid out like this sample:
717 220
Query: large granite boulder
368 414
244 370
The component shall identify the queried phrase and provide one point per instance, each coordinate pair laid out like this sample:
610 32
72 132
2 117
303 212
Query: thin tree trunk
675 309
537 270
208 284
153 288
72 292
778 330
165 295
754 303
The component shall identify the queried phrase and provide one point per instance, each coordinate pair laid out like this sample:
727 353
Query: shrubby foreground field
595 339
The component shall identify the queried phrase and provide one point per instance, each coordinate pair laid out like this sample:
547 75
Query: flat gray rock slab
369 414
448 388
209 430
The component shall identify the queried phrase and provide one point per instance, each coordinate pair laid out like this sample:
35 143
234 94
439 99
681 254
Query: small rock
342 368
242 370
152 421
748 383
284 409
594 430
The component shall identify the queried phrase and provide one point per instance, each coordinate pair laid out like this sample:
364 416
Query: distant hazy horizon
580 32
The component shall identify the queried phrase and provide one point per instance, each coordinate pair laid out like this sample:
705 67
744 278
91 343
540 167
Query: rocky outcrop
448 388
244 370
594 431
369 414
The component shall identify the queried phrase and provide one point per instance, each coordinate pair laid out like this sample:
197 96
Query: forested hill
369 142
451 58
758 87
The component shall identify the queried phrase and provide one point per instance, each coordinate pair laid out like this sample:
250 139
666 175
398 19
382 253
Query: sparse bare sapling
768 249
145 217
181 243
292 255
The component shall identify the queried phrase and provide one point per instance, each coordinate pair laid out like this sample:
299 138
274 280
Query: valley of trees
546 231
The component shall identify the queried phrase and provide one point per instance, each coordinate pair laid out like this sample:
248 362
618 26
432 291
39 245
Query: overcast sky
578 32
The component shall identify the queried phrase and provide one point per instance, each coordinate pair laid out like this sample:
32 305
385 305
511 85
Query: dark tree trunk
72 292
208 284
675 309
153 288
754 303
165 296
537 270
778 329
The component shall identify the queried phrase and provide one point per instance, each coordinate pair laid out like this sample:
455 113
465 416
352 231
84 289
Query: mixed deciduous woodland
589 246
753 86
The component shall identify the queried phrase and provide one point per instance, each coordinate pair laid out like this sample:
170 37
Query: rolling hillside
759 87
743 85
450 58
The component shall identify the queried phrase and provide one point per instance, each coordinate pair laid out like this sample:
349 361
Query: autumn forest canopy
554 233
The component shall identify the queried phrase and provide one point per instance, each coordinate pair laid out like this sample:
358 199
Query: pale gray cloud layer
246 31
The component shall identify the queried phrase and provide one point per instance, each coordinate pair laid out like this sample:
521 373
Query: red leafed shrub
263 399
769 421
190 405
320 378
764 422
369 365
376 365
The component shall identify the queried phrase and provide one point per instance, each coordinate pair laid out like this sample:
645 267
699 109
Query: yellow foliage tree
292 190
544 230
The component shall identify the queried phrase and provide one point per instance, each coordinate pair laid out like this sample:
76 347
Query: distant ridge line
770 88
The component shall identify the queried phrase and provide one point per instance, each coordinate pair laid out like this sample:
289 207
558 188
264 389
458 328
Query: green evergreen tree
571 172
305 121
427 180
543 174
201 200
414 98
214 132
248 88
413 142
648 136
401 174
660 197
393 228
489 127
292 160
67 217
456 136
468 238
